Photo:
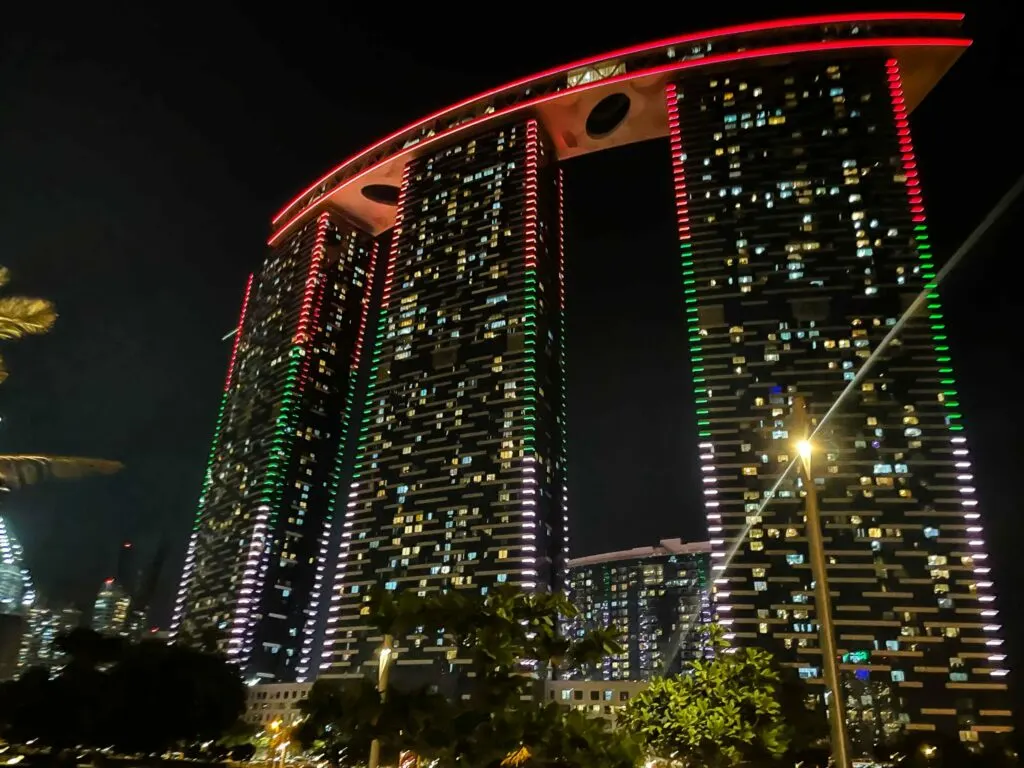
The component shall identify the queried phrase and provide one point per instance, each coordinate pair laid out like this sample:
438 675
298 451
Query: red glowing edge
389 275
357 353
781 50
530 215
238 333
316 257
740 29
678 171
899 107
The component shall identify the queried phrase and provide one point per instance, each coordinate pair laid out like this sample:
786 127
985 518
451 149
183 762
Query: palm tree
22 316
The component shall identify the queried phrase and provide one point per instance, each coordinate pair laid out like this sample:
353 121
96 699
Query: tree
339 717
22 316
509 639
138 698
88 649
164 694
723 712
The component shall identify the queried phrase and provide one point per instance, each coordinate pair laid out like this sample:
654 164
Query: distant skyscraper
657 598
11 588
17 592
255 563
44 625
12 633
111 611
460 476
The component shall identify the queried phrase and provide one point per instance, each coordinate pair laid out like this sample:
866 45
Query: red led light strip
389 275
310 627
530 185
238 333
561 240
357 353
312 277
741 29
678 172
781 50
332 628
899 107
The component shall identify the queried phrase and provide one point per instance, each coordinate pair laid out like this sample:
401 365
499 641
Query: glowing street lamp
386 659
804 448
822 596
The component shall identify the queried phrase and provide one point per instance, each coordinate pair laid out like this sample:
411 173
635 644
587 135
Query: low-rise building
597 698
657 599
268 702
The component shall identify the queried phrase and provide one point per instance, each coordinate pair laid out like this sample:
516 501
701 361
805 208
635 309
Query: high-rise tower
804 239
460 476
254 569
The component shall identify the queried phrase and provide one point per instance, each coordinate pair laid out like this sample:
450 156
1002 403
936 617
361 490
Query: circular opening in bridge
385 194
607 115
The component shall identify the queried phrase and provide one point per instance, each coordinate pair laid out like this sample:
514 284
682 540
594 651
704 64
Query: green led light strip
924 253
530 294
214 446
686 260
389 276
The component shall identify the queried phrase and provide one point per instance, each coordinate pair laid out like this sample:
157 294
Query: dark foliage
500 637
137 698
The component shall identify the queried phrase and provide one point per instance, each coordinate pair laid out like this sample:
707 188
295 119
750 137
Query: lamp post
822 596
387 656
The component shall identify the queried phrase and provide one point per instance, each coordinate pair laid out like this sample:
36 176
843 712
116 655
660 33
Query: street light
822 596
804 447
386 658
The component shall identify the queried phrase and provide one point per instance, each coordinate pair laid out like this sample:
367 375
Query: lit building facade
600 698
112 609
268 703
656 598
803 238
255 564
17 593
43 627
460 474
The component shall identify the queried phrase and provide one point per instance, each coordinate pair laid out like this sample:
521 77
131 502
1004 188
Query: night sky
143 151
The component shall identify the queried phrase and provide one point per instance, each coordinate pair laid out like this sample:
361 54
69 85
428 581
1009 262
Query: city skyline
932 197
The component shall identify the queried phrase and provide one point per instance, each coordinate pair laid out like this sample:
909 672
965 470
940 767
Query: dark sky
143 150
